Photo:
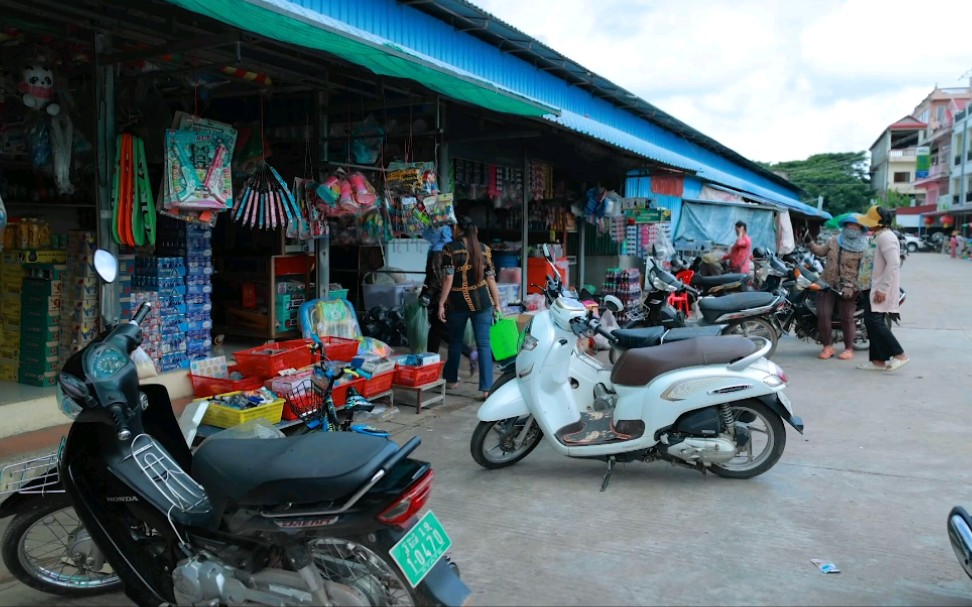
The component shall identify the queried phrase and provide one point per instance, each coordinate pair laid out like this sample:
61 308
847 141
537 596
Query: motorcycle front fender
505 401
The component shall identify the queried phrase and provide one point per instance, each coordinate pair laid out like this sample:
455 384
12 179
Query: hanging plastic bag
367 137
416 327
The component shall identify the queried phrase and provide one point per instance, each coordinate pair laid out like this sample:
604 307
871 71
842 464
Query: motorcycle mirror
613 304
106 265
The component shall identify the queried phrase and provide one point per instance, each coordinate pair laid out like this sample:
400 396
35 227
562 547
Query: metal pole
106 132
322 247
525 230
581 253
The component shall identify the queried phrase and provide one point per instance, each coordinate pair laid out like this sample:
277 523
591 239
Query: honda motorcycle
703 402
322 519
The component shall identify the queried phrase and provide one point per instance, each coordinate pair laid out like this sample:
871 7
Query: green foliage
894 200
841 178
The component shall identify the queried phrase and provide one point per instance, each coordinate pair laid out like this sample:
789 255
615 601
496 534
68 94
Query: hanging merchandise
411 178
367 137
133 208
198 164
372 227
440 209
266 202
312 221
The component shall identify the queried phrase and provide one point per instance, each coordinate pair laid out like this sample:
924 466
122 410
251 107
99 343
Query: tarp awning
288 22
762 195
715 222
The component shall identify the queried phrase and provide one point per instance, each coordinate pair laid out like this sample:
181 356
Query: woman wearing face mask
844 253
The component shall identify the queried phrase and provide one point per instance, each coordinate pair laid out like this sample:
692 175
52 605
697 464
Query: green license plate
421 548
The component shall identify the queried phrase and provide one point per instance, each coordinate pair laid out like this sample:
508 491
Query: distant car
915 244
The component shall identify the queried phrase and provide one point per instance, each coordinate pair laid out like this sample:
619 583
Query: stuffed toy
37 87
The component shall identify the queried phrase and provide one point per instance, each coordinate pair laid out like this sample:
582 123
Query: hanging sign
647 215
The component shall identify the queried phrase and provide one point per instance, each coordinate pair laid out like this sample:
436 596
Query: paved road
868 487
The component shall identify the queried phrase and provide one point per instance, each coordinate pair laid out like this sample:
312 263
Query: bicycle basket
307 403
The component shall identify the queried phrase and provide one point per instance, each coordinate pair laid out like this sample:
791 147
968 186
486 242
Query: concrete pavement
868 487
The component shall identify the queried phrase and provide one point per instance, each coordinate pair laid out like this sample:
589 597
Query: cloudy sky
772 79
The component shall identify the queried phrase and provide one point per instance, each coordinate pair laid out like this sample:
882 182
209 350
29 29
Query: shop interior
304 114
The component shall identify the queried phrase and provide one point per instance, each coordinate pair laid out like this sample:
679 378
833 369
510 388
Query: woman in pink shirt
880 281
742 251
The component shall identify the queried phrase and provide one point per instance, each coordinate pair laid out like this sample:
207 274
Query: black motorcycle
749 313
799 314
326 518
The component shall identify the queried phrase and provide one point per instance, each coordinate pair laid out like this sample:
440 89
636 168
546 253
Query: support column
322 248
525 231
104 98
581 253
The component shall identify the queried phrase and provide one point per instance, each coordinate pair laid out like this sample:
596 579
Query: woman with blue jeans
469 289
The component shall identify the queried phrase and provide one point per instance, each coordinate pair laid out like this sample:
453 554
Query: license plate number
421 548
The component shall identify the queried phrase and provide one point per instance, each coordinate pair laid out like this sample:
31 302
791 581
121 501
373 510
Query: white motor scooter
711 403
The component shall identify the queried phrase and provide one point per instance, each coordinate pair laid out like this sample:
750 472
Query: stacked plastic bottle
166 276
623 284
151 326
80 317
194 244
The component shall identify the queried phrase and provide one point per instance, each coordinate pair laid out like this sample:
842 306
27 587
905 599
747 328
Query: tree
894 200
841 178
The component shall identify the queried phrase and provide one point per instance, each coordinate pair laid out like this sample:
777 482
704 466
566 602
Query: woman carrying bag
469 289
844 253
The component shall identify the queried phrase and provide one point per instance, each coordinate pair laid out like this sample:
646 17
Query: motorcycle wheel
758 327
36 551
364 563
504 452
775 438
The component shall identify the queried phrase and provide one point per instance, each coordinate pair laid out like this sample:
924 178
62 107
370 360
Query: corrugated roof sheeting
607 134
421 32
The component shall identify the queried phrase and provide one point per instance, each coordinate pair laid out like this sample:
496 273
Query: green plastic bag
416 327
504 337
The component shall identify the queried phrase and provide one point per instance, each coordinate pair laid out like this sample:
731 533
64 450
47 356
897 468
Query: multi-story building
960 177
894 158
938 111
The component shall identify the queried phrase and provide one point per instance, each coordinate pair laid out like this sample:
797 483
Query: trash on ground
825 566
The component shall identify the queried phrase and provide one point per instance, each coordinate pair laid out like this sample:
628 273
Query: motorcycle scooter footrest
594 428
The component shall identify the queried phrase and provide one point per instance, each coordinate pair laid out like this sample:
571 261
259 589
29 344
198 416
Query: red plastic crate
339 394
203 386
377 384
268 360
418 376
339 348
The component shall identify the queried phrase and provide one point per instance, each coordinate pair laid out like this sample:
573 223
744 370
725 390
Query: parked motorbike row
327 518
333 518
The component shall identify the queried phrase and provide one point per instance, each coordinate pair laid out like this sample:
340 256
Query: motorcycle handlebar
143 311
121 422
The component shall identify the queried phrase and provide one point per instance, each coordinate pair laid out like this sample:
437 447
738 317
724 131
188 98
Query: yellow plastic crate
227 417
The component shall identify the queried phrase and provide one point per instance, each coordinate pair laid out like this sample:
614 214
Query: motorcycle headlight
66 404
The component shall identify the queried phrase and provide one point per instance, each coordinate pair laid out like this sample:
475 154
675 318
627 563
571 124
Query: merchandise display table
426 394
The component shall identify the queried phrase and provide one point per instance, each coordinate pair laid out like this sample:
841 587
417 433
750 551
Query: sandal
452 386
826 353
897 363
846 355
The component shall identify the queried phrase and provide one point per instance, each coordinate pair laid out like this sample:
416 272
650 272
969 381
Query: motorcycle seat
647 337
736 301
638 338
640 366
715 281
308 469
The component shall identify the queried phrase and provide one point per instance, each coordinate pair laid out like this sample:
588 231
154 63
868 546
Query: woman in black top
469 289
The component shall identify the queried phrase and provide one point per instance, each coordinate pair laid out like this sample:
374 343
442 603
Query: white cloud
772 80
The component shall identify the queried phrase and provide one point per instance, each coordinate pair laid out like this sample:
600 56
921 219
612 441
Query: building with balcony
938 111
894 158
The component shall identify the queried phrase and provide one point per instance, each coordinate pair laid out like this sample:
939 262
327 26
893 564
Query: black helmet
760 252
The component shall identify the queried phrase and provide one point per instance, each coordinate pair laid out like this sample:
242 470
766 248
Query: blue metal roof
623 140
467 38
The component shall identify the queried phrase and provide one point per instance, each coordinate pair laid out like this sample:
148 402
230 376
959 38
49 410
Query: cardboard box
39 350
33 256
39 365
43 380
41 333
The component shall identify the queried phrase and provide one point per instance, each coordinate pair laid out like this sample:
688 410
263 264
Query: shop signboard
646 215
923 162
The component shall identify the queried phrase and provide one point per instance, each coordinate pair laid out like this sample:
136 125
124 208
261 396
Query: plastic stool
681 302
